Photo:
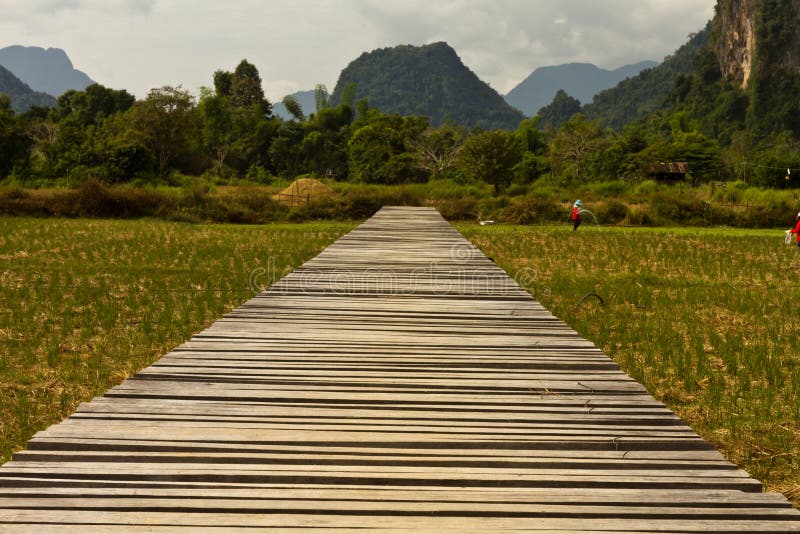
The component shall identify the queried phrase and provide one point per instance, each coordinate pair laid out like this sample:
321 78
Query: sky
296 44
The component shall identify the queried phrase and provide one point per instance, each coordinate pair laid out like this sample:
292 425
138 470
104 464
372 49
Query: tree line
228 132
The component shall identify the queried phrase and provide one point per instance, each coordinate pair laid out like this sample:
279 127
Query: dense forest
723 132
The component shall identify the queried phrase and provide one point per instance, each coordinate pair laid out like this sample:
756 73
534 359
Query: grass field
84 304
707 320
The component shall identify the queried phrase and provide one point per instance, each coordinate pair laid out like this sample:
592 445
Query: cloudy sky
140 44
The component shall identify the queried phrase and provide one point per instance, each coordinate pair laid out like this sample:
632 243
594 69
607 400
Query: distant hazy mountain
22 97
426 80
579 80
46 70
306 99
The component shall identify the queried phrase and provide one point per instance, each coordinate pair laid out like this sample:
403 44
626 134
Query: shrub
615 188
639 215
612 212
530 210
458 209
648 187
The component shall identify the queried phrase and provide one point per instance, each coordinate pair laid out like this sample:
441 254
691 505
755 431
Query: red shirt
576 214
796 230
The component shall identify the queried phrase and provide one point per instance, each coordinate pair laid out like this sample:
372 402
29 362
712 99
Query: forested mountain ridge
46 70
579 80
646 92
426 81
22 97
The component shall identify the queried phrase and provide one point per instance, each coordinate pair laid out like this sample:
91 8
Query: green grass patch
706 319
84 304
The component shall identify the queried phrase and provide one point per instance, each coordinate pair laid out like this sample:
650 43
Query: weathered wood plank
399 381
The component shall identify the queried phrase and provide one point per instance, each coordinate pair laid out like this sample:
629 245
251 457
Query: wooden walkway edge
399 381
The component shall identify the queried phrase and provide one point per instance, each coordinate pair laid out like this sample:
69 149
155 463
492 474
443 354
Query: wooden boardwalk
399 381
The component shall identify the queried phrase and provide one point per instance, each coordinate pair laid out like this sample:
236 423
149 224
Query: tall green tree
166 119
321 97
216 127
294 108
574 146
246 90
492 157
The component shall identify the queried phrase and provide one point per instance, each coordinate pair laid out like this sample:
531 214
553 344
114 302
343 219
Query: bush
610 189
458 209
530 210
648 187
676 208
612 212
639 215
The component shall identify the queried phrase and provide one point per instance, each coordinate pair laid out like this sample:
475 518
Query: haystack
302 191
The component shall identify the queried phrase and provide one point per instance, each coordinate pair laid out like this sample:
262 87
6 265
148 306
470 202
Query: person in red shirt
576 214
796 229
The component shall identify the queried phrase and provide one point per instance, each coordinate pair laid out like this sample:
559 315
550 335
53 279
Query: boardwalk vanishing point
399 381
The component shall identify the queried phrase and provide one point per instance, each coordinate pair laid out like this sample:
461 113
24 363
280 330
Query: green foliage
647 92
223 83
294 108
321 97
228 135
20 95
559 111
246 91
14 145
166 119
92 105
436 149
576 147
216 127
492 157
378 151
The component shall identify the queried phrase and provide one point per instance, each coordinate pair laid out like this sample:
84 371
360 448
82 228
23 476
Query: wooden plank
399 381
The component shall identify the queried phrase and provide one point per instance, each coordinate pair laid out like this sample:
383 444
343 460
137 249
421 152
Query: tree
378 150
491 157
166 119
92 105
573 145
293 107
246 90
223 82
530 134
285 151
437 149
559 111
321 97
216 126
14 145
349 95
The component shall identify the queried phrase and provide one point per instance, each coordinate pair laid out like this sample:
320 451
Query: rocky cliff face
757 35
735 24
